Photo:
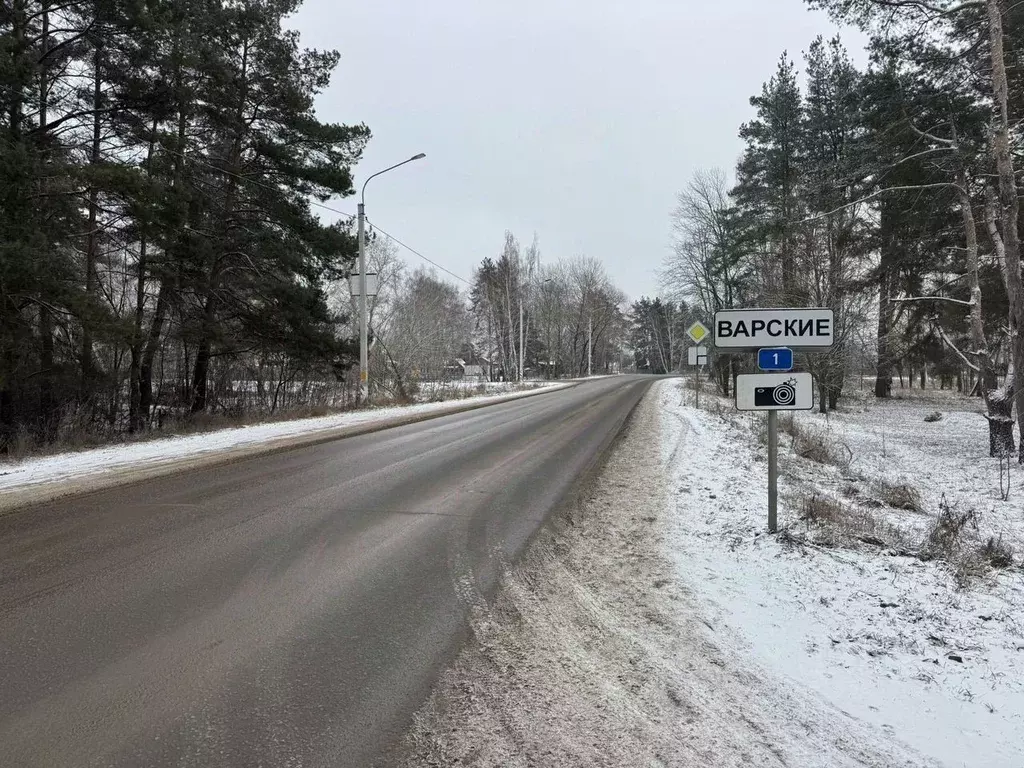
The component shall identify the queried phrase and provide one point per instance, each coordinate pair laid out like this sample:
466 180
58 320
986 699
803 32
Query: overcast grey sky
579 120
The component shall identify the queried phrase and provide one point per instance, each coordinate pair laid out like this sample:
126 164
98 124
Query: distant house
476 368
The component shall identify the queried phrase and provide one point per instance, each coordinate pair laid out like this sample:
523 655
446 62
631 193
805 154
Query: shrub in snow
821 446
948 535
954 538
998 553
899 495
820 509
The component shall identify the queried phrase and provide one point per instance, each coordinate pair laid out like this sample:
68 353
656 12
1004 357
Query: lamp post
590 345
364 365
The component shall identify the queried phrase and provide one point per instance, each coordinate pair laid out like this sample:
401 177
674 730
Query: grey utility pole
590 345
522 337
364 357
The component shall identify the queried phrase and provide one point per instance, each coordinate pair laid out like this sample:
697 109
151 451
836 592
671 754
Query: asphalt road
288 610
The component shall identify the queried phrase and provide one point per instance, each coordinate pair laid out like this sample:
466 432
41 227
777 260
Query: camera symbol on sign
780 395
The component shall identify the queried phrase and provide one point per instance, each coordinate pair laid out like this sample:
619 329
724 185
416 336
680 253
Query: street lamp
364 366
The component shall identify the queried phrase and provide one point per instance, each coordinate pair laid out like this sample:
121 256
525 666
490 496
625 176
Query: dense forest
888 193
160 254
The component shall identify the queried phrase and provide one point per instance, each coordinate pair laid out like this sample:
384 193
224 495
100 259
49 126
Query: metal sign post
774 392
773 471
697 355
697 389
773 334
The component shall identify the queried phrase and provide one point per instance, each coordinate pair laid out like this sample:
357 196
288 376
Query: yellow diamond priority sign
698 332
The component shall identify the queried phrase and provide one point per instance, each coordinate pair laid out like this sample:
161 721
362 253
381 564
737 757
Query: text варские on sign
750 329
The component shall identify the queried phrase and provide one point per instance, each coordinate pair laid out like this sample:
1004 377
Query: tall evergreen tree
158 168
767 178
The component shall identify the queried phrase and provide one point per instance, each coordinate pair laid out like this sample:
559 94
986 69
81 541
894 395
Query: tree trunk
834 393
135 420
201 372
46 346
1000 418
149 354
92 236
7 415
136 414
883 376
1009 201
46 399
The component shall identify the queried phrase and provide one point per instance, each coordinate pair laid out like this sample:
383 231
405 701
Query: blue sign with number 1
777 359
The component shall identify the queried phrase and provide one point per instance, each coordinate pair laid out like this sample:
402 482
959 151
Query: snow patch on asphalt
598 650
887 639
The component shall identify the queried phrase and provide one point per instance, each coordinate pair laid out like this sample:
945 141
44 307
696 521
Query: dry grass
953 538
997 552
951 531
71 431
821 446
820 510
815 443
899 495
836 523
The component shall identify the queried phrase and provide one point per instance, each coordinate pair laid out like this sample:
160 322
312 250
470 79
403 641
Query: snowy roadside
888 639
35 479
596 651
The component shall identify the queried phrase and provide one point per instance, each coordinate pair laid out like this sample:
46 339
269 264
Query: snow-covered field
893 642
16 477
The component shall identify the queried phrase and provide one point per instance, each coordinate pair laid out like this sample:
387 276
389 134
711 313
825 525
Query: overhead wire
412 250
325 207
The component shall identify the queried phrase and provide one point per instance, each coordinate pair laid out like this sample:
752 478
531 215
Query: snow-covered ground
428 390
891 641
16 477
603 648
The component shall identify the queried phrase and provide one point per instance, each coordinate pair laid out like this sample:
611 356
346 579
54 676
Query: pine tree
767 179
833 233
159 164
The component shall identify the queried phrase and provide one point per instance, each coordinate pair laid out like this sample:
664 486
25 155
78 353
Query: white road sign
697 355
774 392
371 284
757 328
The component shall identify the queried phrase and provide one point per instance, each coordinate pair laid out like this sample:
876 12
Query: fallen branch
949 343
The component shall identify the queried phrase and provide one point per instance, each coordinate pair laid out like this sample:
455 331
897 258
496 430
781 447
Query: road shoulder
594 652
45 479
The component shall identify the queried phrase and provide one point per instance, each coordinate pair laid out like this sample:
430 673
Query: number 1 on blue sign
780 359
